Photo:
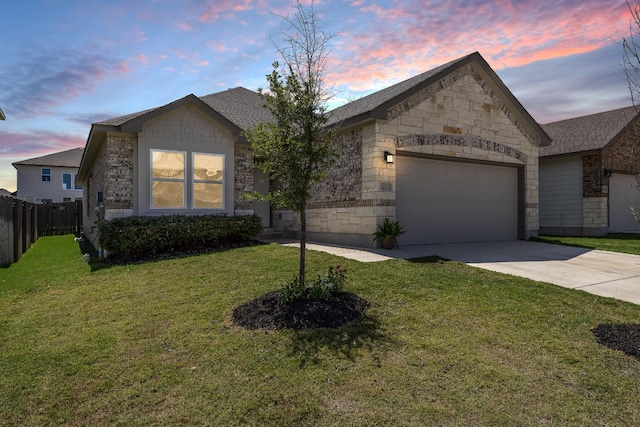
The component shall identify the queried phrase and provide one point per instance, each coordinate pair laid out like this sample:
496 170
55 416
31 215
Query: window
46 174
66 181
76 186
176 178
208 180
168 179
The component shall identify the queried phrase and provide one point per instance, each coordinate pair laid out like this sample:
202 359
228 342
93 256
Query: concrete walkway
603 273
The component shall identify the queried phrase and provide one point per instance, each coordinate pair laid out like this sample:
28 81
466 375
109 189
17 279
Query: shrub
141 236
320 289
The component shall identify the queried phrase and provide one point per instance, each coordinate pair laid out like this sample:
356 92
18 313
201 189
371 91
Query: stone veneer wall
337 212
595 220
243 171
622 156
112 174
460 117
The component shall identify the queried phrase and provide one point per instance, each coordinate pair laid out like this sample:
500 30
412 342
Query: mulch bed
623 337
269 312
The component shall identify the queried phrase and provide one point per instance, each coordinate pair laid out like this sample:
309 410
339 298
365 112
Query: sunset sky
68 63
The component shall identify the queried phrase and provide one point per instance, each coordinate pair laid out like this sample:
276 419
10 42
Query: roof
371 102
68 158
587 133
242 107
376 104
2 116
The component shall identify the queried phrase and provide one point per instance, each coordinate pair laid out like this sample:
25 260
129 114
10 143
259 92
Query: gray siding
561 193
31 187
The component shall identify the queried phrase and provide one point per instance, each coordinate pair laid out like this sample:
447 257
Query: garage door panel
445 202
623 193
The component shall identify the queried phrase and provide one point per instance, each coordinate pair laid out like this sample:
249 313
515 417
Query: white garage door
623 193
451 202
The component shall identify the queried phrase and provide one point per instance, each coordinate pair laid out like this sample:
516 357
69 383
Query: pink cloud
409 37
36 143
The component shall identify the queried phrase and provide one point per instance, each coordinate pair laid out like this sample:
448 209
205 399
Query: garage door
452 202
623 193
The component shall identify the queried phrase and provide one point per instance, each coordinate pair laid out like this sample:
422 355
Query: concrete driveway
608 274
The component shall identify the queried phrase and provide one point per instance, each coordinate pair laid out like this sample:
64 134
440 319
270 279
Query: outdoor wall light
388 157
607 172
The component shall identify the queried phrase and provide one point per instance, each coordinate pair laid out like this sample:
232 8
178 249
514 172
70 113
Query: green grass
442 344
616 242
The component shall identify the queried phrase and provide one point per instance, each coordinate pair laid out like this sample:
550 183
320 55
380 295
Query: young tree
295 147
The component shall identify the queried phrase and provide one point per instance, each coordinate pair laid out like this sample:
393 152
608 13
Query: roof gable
387 103
586 133
237 108
68 158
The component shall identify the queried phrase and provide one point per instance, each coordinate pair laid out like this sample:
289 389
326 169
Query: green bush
320 289
142 236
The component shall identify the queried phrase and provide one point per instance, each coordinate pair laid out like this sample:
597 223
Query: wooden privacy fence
21 223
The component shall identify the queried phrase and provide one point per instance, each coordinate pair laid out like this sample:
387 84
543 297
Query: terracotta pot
389 243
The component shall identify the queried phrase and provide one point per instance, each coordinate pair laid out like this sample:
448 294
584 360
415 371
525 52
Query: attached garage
442 201
623 193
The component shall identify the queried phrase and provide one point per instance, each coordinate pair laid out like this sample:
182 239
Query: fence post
6 231
17 230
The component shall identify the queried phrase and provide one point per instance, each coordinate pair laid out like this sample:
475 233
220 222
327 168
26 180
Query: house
450 153
50 178
2 116
588 174
5 193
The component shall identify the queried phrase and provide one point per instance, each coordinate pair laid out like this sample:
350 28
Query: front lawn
442 344
615 242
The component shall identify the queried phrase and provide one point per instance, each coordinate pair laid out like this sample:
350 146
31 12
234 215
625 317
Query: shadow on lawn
365 333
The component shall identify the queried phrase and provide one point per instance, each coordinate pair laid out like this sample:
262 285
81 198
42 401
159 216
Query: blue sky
68 63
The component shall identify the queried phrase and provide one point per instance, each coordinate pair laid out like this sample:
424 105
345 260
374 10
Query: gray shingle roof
586 133
68 158
243 107
376 99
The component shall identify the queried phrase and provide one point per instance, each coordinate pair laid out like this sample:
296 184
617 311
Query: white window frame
195 181
183 180
71 181
188 181
43 175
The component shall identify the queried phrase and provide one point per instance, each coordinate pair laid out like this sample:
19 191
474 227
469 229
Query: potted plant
388 232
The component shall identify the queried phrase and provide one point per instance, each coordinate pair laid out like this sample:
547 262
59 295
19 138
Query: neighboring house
464 167
50 178
5 193
588 174
2 116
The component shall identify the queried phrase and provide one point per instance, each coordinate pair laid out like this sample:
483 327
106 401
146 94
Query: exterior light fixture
607 172
388 157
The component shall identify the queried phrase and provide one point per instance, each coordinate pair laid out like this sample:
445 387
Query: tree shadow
365 333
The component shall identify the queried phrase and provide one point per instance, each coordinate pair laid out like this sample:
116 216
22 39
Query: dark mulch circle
268 311
623 337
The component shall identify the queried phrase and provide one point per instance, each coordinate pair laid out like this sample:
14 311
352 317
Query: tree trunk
303 245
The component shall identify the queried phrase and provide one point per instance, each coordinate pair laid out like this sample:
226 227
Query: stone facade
621 155
243 171
458 117
112 177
